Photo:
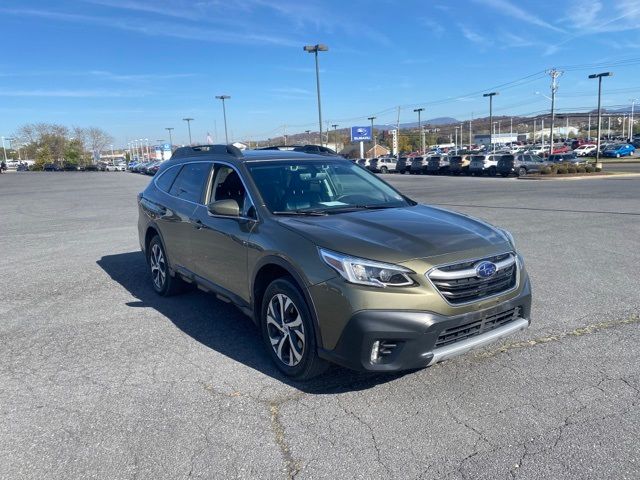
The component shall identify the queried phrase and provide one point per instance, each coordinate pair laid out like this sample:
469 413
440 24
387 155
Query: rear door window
190 182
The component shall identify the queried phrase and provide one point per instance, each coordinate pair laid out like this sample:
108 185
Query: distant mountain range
429 121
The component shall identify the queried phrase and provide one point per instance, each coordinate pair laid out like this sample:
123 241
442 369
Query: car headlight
367 272
508 237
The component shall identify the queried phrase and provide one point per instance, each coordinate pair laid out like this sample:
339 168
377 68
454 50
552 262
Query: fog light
375 351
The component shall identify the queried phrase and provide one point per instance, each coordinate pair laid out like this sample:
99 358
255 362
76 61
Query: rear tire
522 172
161 280
384 170
493 171
288 331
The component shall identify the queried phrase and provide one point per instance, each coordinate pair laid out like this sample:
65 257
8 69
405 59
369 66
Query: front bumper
414 335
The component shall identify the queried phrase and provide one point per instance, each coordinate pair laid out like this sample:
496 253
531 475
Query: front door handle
197 224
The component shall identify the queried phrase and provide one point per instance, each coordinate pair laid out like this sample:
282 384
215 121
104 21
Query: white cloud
166 29
72 93
474 36
509 9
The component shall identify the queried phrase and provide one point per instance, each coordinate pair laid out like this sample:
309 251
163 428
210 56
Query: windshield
307 186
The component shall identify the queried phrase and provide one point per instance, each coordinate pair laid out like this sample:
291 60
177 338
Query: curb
581 177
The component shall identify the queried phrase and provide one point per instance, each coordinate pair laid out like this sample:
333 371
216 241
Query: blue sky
134 67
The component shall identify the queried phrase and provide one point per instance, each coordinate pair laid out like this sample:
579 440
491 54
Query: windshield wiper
301 212
352 208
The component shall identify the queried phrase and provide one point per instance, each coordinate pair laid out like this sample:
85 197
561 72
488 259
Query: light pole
589 129
148 153
308 136
633 103
112 155
170 137
189 120
224 113
599 77
456 139
375 142
335 135
418 111
491 95
315 49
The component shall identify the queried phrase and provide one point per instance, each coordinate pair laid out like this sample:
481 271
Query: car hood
397 235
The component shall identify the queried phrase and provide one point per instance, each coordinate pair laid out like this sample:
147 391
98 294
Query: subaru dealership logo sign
359 134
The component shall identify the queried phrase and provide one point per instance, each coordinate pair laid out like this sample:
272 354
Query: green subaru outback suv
332 263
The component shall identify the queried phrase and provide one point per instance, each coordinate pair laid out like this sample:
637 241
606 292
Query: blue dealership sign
359 134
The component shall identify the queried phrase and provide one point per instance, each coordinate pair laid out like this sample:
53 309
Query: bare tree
97 139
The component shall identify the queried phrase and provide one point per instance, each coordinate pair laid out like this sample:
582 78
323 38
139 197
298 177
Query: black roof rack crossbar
207 150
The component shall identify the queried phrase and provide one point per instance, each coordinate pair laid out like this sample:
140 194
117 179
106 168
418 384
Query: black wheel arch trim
153 225
300 280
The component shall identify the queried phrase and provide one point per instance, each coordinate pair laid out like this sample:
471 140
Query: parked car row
480 164
147 168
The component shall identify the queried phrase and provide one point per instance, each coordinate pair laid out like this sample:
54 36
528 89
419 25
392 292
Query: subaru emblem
486 269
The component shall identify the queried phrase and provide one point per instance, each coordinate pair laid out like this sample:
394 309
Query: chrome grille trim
458 284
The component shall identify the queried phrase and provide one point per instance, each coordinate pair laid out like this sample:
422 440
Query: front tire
493 171
384 170
161 280
522 172
288 331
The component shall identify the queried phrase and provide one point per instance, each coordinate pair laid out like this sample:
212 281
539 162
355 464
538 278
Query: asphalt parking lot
102 379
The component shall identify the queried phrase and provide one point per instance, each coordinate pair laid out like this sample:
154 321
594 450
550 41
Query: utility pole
224 113
315 49
534 130
511 130
189 120
554 74
284 134
491 95
609 129
170 137
398 134
375 141
418 110
633 103
335 135
470 121
599 77
589 131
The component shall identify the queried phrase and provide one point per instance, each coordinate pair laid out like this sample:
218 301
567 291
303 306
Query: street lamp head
490 94
223 97
371 118
598 75
320 47
187 119
418 109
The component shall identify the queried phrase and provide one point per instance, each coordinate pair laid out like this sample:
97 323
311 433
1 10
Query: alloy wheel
285 329
158 266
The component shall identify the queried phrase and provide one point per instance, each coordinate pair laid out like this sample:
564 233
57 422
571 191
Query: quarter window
190 182
166 179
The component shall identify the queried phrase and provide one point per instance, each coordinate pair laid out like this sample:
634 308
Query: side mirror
227 208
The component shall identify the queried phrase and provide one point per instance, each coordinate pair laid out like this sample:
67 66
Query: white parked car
120 167
585 150
481 164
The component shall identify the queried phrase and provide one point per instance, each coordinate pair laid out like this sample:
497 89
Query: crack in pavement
578 332
292 466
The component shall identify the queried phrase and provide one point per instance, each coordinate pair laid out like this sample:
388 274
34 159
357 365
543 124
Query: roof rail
207 150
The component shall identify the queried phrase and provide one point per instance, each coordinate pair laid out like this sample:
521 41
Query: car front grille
477 327
460 283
